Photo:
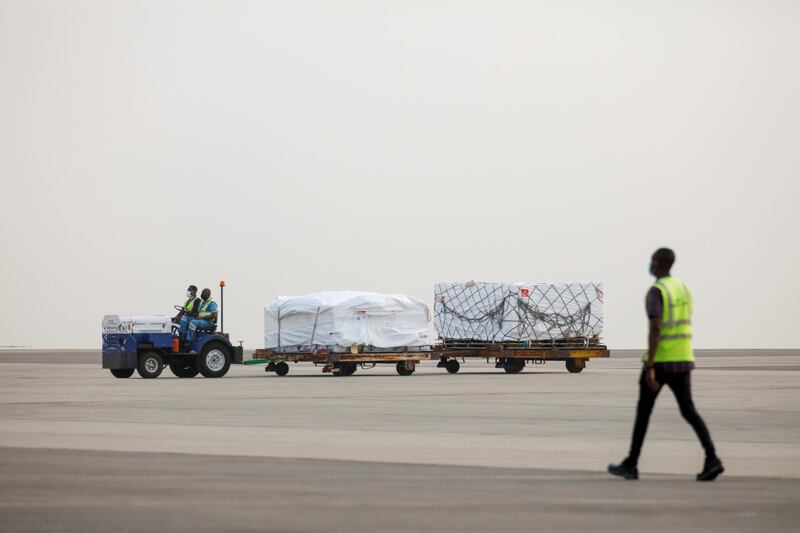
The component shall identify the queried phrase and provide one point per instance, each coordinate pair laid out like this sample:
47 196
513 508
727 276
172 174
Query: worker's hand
651 380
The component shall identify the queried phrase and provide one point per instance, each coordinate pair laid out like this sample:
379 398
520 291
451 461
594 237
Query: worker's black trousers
681 385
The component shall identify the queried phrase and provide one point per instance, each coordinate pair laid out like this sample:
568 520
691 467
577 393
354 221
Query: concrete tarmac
479 450
98 491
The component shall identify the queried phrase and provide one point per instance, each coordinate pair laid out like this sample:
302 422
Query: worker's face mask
650 270
189 294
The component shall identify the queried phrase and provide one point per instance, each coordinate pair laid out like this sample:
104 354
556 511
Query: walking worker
189 310
669 361
206 315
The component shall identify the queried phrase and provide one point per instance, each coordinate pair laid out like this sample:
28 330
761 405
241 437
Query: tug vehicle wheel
281 368
404 368
184 369
574 366
214 360
122 372
452 366
514 366
150 365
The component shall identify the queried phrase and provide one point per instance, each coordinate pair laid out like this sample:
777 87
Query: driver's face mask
189 294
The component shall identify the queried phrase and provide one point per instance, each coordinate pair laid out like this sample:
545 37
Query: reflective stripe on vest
675 339
203 311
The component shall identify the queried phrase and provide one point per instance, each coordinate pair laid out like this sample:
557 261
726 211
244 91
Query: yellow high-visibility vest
189 304
203 311
675 340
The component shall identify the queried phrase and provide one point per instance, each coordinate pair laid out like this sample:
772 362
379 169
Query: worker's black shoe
711 469
624 470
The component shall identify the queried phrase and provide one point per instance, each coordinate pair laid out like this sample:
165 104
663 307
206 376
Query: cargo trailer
338 363
512 324
512 357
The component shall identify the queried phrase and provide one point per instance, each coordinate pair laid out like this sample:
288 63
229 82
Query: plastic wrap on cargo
518 312
339 319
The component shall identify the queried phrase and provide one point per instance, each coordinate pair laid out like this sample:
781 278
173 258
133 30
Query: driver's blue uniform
197 323
183 325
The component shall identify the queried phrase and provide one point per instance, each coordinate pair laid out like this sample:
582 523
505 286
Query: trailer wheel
122 372
150 365
343 369
184 369
452 366
514 366
574 366
214 360
405 368
281 368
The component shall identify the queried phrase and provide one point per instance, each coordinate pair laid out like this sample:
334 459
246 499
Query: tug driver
189 311
206 315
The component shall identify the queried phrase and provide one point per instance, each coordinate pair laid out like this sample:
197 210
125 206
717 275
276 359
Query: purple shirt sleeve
654 304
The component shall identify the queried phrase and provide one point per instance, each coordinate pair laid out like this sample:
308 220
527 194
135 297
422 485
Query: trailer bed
513 356
340 363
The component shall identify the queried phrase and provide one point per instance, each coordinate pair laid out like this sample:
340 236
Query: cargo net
533 313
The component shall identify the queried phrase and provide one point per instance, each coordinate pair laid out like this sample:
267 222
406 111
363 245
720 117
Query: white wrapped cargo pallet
337 320
518 312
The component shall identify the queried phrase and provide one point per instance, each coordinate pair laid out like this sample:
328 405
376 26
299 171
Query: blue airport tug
148 343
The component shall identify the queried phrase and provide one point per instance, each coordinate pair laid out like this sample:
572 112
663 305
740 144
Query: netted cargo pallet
518 312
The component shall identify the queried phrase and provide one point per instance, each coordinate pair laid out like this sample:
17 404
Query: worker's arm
652 347
210 314
652 339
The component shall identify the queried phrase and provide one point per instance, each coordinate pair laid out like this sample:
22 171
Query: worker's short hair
665 257
192 288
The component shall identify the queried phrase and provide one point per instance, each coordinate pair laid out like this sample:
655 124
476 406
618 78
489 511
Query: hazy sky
291 147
